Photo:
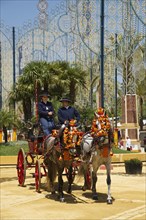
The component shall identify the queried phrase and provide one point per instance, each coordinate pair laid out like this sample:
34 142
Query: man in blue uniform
46 113
66 112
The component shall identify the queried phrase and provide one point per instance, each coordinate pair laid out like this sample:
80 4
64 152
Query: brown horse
60 156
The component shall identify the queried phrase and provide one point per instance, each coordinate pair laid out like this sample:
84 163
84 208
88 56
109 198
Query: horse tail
51 174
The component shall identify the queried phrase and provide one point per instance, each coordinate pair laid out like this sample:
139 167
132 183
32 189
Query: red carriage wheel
37 176
21 167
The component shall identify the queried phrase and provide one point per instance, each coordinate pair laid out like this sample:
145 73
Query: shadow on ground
86 197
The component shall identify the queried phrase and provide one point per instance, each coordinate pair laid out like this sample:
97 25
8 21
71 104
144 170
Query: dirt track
19 203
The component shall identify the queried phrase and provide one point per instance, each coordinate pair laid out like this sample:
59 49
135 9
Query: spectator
121 143
128 144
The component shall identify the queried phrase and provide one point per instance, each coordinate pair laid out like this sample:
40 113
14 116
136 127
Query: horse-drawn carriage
32 158
65 150
65 141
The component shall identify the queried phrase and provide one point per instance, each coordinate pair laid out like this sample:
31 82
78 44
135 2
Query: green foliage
58 78
133 166
69 78
134 161
56 105
87 114
7 118
141 92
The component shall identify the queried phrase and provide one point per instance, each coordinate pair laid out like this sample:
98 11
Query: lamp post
14 61
102 51
14 70
116 129
116 44
91 78
0 79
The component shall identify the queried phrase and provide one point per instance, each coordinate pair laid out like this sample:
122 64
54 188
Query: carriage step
102 167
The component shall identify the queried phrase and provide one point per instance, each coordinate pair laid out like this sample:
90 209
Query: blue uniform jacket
68 114
43 110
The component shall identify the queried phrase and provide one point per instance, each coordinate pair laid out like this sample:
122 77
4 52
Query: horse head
100 133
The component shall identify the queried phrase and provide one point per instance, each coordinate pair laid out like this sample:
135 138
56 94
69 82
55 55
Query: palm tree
36 75
56 77
42 72
70 77
23 93
6 119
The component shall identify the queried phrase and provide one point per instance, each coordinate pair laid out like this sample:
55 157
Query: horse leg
60 186
70 180
52 187
108 180
52 180
85 170
94 180
51 175
95 167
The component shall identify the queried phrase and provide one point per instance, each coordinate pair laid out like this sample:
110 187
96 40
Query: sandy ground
23 203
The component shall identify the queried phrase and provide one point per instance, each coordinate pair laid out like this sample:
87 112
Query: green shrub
133 166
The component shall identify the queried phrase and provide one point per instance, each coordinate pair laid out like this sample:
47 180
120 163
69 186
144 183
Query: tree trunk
72 91
38 91
5 134
27 109
46 86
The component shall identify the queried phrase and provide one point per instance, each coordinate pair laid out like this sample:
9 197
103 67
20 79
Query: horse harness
67 146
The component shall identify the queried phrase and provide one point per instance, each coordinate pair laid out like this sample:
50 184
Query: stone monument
130 122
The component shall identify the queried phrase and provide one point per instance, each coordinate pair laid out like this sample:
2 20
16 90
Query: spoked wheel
21 167
70 173
89 177
37 176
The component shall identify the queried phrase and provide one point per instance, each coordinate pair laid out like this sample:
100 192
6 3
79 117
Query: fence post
14 134
1 135
116 137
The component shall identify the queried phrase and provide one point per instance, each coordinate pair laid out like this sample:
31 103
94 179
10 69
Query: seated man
46 113
67 112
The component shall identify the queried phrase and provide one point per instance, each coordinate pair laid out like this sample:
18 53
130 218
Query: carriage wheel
89 177
37 176
70 177
21 167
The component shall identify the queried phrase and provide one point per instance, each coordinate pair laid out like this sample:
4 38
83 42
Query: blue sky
16 12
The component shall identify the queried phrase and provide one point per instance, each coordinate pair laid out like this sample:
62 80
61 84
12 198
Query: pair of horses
95 150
